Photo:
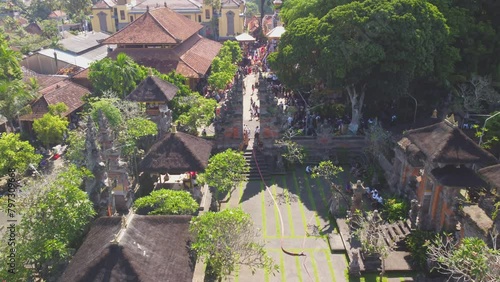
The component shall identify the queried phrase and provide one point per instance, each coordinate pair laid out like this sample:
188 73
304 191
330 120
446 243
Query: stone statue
434 114
165 121
354 268
414 213
357 197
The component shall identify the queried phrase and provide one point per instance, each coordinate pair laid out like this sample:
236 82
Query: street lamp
484 127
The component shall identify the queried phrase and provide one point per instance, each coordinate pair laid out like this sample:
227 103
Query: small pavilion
175 159
436 166
154 93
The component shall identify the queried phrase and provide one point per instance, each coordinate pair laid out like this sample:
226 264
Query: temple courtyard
313 249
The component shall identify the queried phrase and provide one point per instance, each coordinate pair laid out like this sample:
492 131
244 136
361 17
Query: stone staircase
396 232
254 175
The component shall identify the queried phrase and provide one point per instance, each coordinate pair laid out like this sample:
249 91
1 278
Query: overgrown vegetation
395 209
416 244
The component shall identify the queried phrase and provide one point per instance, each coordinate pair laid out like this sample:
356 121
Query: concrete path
248 81
302 203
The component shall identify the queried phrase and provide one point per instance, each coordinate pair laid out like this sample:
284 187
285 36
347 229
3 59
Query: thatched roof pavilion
176 153
492 175
146 248
153 89
445 143
461 176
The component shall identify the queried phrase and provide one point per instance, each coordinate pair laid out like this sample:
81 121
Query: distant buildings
167 41
76 52
113 15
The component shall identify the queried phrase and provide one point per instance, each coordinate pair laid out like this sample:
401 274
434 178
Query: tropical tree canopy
16 154
55 212
50 129
120 76
226 239
225 170
166 202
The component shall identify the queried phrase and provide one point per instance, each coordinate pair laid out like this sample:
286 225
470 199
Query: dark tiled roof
453 176
444 143
177 153
66 92
149 249
491 174
159 26
153 89
33 28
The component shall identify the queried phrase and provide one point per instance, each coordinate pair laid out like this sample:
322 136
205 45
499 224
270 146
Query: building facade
112 15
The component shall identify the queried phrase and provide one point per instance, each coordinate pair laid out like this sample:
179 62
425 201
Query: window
131 18
122 15
207 14
199 18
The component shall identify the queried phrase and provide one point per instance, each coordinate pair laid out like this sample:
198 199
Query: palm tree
9 62
124 73
14 99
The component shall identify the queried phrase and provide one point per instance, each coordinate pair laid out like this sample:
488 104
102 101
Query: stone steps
395 232
253 174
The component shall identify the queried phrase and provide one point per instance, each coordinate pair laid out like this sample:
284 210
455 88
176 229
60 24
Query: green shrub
415 242
166 202
395 209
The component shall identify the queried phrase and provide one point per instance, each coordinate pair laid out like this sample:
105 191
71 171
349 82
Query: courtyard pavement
302 202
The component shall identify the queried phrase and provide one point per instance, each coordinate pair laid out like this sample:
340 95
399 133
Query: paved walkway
302 202
248 81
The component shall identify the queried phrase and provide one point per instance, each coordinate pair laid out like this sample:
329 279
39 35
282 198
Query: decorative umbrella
276 33
245 37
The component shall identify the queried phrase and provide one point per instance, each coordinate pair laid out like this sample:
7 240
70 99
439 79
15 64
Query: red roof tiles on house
65 92
192 58
198 53
159 26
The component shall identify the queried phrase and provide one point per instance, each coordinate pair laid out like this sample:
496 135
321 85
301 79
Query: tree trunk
357 99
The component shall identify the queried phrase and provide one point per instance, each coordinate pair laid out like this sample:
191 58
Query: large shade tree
55 212
360 44
372 40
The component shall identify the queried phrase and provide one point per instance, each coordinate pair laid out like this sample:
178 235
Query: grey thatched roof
447 144
177 153
151 249
491 174
453 176
153 89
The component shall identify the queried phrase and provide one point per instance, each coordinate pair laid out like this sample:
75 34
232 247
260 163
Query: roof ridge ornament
450 120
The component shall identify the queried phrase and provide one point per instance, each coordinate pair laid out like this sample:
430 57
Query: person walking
257 134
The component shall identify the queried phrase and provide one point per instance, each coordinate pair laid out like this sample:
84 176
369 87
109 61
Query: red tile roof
198 53
57 14
42 79
159 26
192 58
66 92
